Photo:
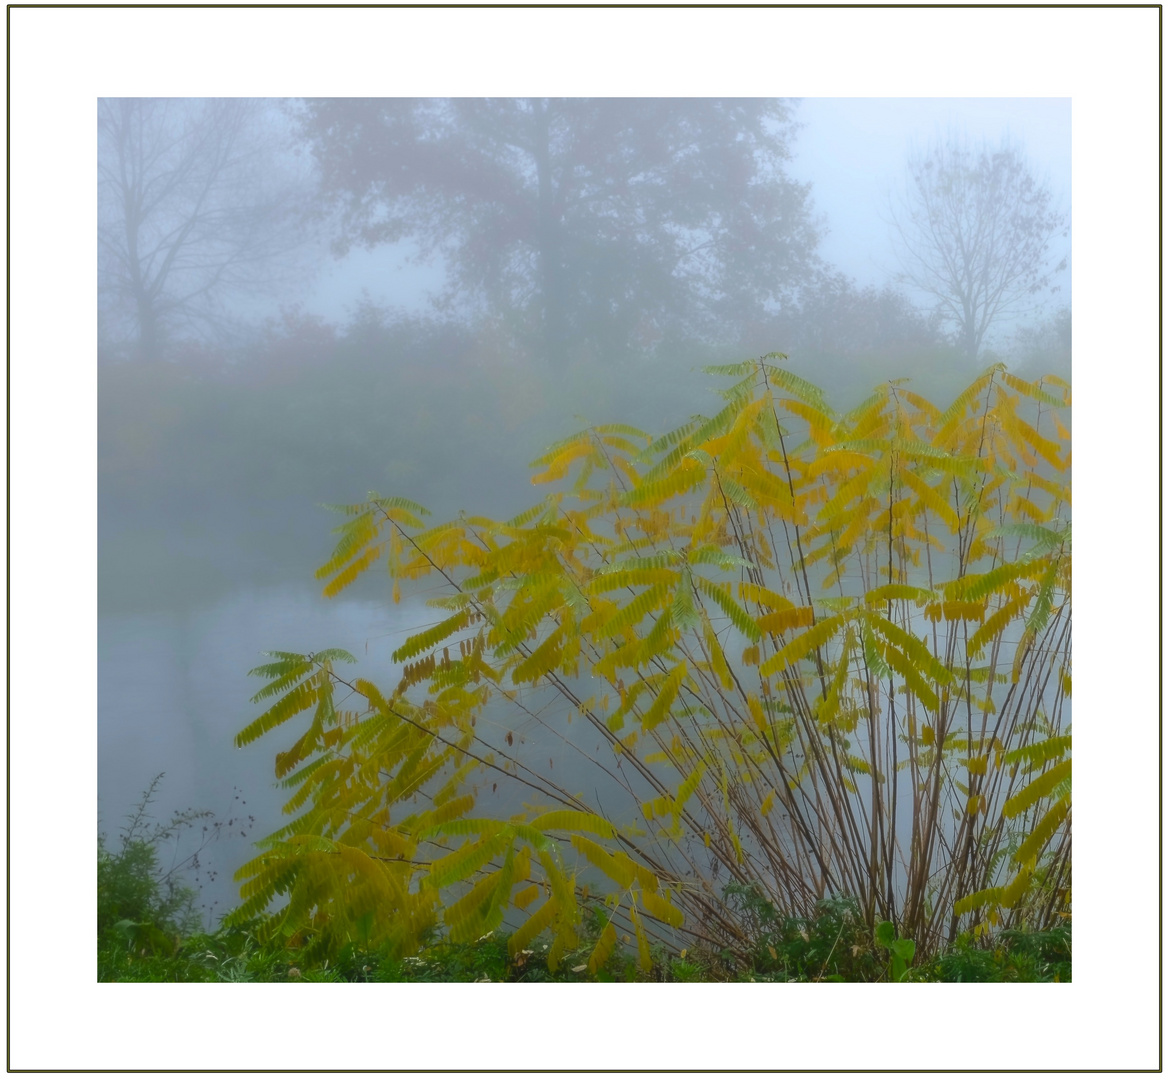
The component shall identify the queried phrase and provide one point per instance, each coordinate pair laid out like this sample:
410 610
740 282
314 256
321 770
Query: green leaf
903 948
739 618
575 821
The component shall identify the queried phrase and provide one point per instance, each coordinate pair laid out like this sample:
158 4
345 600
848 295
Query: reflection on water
173 690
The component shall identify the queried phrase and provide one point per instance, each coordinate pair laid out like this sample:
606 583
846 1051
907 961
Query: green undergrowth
832 947
148 932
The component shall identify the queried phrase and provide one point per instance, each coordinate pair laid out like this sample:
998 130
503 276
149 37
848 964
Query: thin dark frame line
571 6
666 6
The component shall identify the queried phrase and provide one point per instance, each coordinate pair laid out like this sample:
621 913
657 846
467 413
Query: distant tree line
570 230
200 210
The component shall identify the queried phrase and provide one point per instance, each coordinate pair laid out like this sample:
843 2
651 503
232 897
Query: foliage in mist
821 654
586 226
199 209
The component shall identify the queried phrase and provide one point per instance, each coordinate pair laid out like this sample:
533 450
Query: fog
417 298
852 151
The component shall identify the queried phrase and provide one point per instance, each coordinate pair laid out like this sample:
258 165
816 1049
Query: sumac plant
821 655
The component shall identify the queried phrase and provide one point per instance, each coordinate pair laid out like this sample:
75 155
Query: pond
173 691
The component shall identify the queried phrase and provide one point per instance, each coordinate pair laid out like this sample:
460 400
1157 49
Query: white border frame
61 60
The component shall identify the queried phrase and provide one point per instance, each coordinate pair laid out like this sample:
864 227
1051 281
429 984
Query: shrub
820 655
144 912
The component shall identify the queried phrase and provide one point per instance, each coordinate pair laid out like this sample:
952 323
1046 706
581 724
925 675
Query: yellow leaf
660 709
1037 789
602 949
538 922
800 646
779 622
661 909
573 820
748 590
525 896
643 955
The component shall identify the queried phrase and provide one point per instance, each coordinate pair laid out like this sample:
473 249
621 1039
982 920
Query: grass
148 931
832 947
239 956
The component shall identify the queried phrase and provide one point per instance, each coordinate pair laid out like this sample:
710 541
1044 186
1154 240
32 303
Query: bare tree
197 213
973 229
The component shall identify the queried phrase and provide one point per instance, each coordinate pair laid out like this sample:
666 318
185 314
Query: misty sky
853 152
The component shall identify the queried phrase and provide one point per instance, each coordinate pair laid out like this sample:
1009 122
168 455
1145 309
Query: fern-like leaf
1037 789
535 924
428 639
660 709
721 596
573 821
603 948
302 697
1028 851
